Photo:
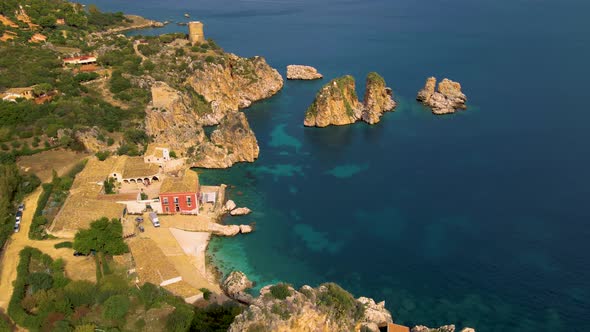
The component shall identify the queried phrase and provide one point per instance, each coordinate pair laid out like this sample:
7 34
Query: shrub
206 293
173 154
65 244
80 292
102 155
215 317
116 307
280 291
109 186
180 319
340 302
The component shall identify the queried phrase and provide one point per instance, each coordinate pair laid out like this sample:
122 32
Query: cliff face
171 121
231 83
378 99
326 308
337 103
233 141
447 99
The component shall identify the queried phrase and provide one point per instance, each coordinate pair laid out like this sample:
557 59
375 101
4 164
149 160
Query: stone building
195 32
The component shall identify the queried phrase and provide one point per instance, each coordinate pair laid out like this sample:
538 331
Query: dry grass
42 164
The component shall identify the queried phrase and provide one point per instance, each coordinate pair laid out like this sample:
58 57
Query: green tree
104 236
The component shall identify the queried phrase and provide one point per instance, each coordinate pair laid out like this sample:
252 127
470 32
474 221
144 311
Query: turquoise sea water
480 218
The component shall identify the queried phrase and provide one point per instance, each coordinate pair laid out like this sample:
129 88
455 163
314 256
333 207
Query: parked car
141 229
16 228
154 219
139 219
21 207
19 216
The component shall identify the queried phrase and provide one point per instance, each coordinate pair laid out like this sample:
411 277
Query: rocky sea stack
337 102
447 99
299 72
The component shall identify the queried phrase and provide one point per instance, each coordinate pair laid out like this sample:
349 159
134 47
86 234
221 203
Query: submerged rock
337 103
447 99
299 72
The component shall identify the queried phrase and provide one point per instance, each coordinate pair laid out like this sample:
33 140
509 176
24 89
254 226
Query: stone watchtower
195 32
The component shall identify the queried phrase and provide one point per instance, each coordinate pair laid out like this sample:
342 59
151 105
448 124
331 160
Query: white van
154 219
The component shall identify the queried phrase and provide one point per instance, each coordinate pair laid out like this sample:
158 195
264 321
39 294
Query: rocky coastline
328 307
337 103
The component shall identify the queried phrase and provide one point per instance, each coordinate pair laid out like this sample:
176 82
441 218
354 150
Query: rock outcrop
171 121
326 308
233 141
447 99
446 328
235 285
230 205
240 211
229 83
337 103
299 72
245 229
93 140
378 99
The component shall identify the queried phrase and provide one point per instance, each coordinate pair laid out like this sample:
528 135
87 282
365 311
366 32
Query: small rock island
446 100
337 102
299 72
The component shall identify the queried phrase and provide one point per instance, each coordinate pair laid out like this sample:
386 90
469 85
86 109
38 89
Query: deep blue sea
481 218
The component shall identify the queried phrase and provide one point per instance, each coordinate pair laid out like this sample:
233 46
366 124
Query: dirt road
76 267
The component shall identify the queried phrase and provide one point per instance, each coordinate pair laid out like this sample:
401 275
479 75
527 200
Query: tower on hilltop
195 32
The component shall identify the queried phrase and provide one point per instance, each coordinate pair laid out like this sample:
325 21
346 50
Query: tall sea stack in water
337 102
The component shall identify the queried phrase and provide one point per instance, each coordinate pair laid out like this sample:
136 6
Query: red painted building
180 194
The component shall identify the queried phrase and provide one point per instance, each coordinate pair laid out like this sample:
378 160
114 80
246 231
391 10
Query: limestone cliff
378 99
335 104
233 141
447 99
170 120
229 83
326 308
299 72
